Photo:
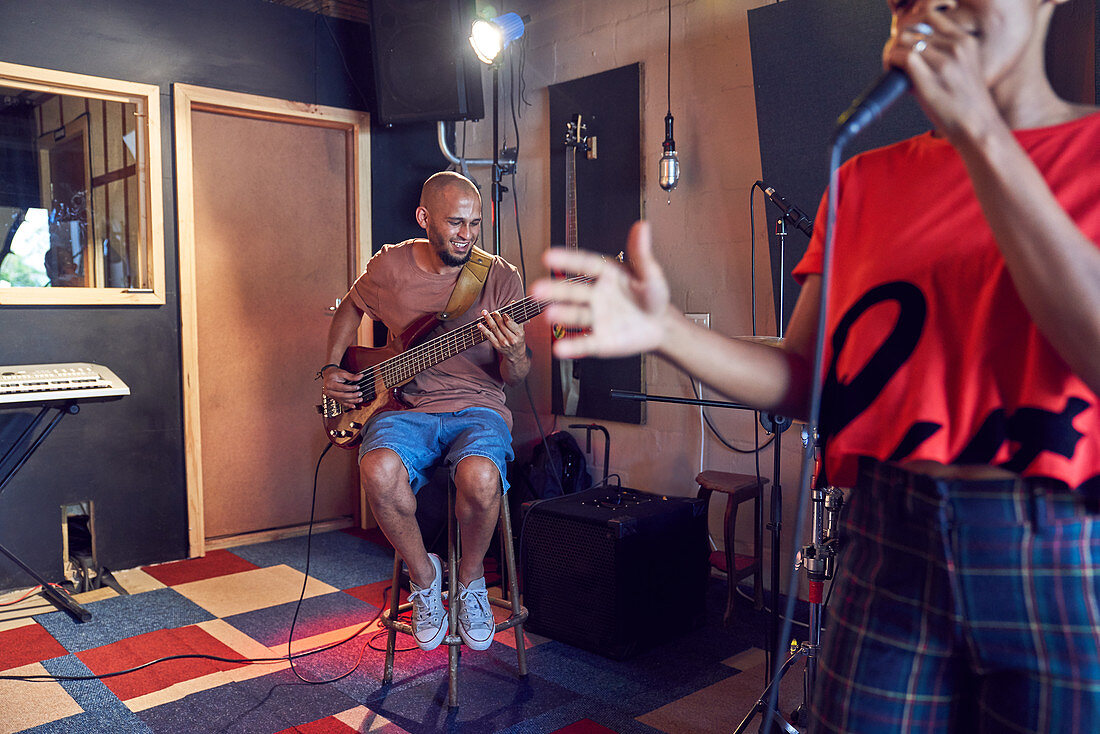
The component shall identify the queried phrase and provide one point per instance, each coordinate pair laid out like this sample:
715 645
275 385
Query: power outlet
702 319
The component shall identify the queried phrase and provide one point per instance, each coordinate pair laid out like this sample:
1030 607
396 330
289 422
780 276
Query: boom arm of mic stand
629 395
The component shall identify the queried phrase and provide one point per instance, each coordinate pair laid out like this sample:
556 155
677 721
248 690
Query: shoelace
426 610
481 598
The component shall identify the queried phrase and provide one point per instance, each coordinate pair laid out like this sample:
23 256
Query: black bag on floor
563 471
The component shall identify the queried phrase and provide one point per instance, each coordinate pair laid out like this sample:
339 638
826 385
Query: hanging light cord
668 75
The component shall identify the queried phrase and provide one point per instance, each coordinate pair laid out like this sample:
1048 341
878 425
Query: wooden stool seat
738 488
389 617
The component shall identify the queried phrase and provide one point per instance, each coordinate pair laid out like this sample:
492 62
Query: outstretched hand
623 308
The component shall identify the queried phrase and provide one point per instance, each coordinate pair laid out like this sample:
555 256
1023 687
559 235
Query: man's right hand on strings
340 385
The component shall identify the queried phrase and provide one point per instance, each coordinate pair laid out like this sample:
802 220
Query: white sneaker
429 620
475 616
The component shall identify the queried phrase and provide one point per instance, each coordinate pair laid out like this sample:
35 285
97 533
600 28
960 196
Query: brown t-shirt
396 291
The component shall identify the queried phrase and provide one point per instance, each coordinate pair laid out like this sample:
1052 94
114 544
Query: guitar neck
571 198
402 368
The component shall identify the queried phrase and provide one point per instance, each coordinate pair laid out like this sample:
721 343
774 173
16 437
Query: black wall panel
811 58
609 201
127 455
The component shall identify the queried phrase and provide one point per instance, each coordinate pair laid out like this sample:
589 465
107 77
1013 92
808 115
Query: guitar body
344 426
381 371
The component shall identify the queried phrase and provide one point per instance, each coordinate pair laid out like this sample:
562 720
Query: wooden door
277 234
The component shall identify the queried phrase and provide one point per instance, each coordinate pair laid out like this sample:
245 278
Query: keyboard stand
60 600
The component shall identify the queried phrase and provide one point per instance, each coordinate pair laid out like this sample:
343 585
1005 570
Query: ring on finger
920 46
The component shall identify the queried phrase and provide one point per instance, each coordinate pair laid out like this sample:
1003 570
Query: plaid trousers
962 606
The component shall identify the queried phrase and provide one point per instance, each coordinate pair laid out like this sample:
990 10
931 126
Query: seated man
456 408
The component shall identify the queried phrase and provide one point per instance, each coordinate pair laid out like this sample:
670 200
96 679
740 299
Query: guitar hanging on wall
575 138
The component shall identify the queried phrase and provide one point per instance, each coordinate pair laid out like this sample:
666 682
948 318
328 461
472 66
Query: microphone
870 106
791 213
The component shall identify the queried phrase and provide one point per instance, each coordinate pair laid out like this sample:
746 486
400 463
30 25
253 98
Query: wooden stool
738 488
453 639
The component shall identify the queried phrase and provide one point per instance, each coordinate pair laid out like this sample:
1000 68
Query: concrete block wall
702 237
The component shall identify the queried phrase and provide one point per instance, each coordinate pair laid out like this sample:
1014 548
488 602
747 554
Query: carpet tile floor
240 603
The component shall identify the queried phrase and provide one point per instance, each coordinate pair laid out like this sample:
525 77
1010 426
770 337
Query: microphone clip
791 213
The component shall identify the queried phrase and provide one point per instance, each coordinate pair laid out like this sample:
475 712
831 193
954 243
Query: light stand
489 38
498 175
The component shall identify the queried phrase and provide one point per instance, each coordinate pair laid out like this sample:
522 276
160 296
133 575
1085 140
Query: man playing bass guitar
455 410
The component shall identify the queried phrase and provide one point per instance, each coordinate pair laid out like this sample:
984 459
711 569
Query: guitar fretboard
402 368
571 197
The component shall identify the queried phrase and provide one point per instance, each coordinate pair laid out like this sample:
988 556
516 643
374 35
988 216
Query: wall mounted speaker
424 66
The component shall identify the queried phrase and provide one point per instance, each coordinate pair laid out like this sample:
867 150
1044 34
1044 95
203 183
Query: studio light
490 37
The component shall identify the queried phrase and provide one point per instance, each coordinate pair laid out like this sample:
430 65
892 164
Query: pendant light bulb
668 170
669 166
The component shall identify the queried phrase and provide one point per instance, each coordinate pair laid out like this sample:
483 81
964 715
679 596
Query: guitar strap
470 282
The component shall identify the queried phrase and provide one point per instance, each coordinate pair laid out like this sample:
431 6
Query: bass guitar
576 137
381 371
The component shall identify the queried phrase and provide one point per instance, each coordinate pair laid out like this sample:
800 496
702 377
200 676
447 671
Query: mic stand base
779 724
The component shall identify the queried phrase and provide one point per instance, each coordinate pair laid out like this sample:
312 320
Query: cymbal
772 341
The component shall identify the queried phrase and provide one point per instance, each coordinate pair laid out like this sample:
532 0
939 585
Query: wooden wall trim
186 99
147 99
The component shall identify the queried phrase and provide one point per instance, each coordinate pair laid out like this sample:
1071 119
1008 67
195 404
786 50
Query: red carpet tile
373 593
214 563
327 725
134 651
27 644
585 726
374 535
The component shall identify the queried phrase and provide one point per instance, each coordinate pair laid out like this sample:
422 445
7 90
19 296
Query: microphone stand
776 425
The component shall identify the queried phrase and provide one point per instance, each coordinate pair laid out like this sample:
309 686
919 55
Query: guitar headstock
576 136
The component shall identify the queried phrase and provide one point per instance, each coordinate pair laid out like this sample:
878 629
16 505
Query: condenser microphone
791 213
870 105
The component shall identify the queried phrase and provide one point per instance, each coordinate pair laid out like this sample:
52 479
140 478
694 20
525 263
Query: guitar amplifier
614 571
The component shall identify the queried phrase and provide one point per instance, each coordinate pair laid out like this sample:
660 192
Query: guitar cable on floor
289 657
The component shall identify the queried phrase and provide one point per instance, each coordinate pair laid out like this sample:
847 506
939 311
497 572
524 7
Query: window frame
147 99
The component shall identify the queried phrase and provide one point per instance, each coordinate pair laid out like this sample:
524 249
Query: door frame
188 98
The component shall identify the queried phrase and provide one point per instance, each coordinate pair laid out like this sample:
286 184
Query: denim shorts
426 440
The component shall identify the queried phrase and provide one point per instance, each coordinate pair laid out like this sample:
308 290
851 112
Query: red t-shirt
396 291
930 353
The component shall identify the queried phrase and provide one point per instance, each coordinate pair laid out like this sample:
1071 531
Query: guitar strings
406 365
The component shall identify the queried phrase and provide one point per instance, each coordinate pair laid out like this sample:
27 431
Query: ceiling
354 10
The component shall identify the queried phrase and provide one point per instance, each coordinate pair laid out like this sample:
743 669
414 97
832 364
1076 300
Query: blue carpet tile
104 713
120 617
491 698
230 709
337 558
318 614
